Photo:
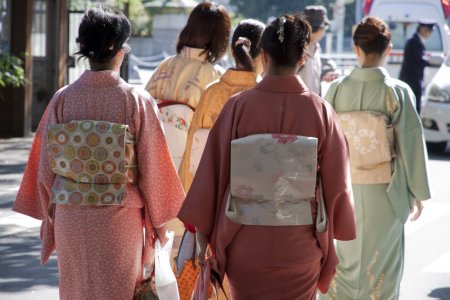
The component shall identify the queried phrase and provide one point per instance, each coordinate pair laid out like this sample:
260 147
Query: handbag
186 267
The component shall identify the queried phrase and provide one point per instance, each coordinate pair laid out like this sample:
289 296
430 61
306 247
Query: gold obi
272 180
370 138
93 161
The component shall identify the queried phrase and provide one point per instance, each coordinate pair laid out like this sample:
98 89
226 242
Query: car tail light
446 8
368 3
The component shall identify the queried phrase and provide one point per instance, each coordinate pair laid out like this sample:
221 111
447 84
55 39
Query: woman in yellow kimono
386 187
246 53
183 78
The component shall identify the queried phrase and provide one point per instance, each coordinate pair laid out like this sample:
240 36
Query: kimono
181 78
101 249
209 108
371 266
273 262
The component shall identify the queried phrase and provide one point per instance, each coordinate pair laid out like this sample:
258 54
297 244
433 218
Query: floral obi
93 161
370 138
272 180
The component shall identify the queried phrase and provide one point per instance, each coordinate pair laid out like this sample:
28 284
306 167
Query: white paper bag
165 281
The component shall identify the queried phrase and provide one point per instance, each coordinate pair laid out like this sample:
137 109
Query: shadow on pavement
20 267
440 293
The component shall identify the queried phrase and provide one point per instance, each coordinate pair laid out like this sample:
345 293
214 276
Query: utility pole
124 67
358 11
338 20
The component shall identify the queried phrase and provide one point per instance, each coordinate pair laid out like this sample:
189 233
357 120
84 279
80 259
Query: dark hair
286 39
208 27
372 35
245 42
102 33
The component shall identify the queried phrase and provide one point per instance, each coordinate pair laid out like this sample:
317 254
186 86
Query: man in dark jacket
414 62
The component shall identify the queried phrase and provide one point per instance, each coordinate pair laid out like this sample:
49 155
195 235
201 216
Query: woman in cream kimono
183 78
93 210
389 178
246 53
255 197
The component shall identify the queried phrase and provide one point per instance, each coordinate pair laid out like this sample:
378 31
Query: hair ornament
111 47
243 41
280 30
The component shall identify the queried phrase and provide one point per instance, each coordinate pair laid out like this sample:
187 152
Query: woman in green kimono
389 180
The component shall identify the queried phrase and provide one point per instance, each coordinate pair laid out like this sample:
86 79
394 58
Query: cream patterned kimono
181 78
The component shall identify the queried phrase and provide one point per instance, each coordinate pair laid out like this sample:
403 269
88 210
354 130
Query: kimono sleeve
204 199
158 180
335 173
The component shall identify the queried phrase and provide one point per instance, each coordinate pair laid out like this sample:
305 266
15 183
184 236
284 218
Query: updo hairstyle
208 27
102 34
245 42
372 35
286 39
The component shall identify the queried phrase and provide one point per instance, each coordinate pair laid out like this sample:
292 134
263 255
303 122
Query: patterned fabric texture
93 160
273 177
371 143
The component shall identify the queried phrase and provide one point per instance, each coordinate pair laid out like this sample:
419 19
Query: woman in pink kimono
269 152
99 172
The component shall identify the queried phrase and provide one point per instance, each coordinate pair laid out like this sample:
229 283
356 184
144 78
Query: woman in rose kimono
259 212
93 212
246 53
386 187
183 78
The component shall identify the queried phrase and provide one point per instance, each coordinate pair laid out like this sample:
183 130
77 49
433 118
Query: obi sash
176 117
93 161
371 144
272 180
370 137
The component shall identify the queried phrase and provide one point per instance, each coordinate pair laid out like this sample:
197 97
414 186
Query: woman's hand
160 233
416 210
202 246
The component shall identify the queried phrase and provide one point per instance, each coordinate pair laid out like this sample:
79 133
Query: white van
403 16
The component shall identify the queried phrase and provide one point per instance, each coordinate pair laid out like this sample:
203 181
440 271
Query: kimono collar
234 77
100 78
282 84
194 53
368 74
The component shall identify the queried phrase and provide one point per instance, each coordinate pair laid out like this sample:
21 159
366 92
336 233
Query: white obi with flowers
273 179
370 139
93 161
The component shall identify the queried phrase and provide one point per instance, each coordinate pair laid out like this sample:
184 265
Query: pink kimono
100 249
273 262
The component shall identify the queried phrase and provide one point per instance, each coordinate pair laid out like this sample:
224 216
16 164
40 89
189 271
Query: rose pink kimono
273 262
100 249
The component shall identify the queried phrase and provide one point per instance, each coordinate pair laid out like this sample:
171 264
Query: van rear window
402 31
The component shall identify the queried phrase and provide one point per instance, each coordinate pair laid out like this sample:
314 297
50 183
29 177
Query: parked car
436 109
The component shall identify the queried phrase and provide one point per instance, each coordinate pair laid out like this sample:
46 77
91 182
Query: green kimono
371 266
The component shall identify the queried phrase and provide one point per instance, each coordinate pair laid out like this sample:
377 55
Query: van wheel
438 147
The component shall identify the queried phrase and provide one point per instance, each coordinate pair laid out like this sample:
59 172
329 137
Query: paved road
427 269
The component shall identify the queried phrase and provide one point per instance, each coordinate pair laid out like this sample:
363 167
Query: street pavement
427 261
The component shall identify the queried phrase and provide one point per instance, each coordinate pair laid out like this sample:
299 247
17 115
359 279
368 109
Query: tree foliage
11 70
264 9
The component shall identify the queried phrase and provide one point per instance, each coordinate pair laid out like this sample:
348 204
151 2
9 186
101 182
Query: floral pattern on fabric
369 137
273 178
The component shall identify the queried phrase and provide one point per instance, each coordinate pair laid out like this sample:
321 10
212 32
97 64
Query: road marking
440 265
430 213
